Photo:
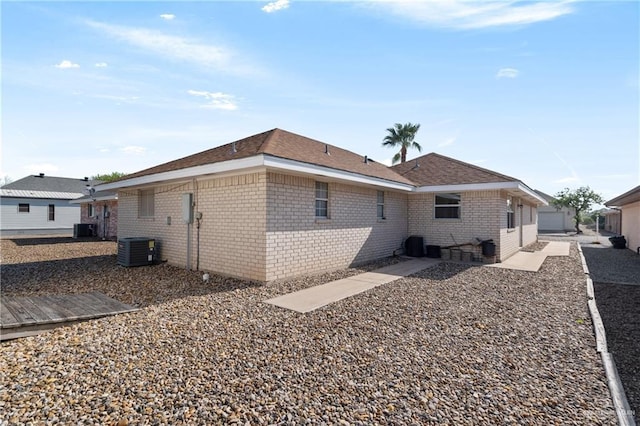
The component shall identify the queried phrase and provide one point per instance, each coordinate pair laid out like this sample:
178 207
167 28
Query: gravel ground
454 344
619 307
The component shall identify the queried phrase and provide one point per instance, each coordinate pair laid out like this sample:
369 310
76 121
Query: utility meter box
187 208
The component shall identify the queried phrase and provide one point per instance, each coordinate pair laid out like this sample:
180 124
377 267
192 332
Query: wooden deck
29 315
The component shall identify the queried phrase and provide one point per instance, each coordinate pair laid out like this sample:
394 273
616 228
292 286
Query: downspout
104 222
188 246
198 218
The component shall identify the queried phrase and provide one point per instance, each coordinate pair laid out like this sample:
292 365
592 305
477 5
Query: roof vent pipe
86 179
326 149
233 148
41 175
417 165
366 160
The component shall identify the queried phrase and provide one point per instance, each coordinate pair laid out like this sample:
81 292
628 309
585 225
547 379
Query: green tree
110 177
402 135
579 199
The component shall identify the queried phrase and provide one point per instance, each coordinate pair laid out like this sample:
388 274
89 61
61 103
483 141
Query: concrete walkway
527 261
316 297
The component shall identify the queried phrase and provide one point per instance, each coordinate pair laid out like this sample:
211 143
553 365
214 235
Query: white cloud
276 5
134 149
67 64
447 142
216 100
569 179
465 15
177 48
104 150
507 73
101 65
168 16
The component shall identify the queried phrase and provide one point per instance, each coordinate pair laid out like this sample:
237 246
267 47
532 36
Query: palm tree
402 135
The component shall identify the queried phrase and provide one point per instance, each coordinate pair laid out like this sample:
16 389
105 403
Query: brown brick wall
103 228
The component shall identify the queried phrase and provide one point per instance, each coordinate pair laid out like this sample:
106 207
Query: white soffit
516 186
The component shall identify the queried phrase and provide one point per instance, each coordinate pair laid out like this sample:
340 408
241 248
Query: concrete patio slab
316 297
527 261
556 248
522 261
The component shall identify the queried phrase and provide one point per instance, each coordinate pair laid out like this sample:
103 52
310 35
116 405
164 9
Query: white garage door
550 221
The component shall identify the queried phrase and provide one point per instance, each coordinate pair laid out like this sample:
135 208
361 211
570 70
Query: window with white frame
380 205
146 202
91 210
322 200
447 206
511 214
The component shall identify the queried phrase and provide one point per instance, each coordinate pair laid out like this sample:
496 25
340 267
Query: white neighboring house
39 204
553 219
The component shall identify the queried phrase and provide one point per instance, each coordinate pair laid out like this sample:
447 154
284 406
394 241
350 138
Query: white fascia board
313 169
490 186
188 173
254 162
533 194
91 200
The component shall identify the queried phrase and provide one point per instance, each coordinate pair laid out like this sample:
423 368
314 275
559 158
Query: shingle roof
282 144
435 169
42 186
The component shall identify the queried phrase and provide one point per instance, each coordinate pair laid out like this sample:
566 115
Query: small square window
447 206
23 208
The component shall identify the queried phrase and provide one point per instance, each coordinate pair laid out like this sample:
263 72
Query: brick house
277 204
100 210
628 204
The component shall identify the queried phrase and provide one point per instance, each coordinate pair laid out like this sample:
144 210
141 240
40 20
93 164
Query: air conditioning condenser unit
136 251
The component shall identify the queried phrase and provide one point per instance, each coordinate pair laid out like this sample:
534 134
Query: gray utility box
136 251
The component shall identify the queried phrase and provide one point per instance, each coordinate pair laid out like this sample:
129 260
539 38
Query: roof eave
511 186
328 172
94 199
255 162
628 197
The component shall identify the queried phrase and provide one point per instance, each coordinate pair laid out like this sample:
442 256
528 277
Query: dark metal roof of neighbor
282 144
435 169
46 183
628 197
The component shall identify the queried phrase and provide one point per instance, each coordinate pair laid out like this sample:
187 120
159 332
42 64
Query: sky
546 92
